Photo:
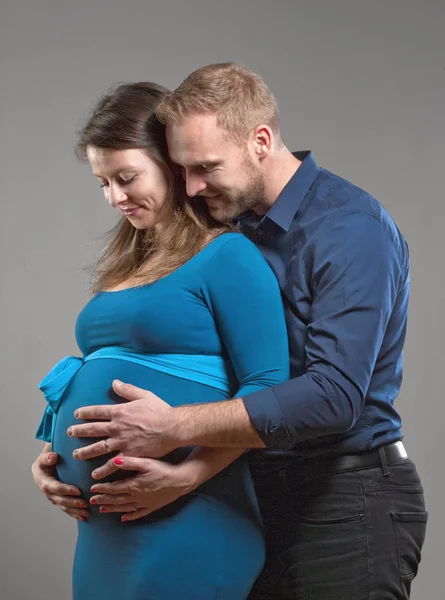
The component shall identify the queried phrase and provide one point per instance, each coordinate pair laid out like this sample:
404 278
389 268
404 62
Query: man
342 504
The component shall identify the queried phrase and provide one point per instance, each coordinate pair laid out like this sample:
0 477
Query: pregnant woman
187 308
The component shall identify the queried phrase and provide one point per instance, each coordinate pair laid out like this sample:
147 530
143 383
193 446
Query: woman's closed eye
120 180
126 180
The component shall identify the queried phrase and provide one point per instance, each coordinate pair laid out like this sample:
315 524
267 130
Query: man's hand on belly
143 427
147 426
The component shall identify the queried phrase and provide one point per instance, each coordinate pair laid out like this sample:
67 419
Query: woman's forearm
204 463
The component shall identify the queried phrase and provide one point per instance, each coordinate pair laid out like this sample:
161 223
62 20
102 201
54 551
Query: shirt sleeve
358 268
244 297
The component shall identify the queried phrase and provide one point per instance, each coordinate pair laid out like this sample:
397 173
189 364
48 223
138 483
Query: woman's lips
130 212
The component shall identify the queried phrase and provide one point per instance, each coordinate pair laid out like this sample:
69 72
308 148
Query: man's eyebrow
202 163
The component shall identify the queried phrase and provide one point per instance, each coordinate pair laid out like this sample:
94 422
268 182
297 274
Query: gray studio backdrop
360 82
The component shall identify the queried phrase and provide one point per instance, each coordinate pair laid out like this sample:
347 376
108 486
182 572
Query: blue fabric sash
209 370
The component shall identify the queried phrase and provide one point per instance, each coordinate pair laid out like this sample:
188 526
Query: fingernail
118 460
51 455
83 519
75 453
102 509
85 515
82 504
93 501
93 489
69 431
124 518
76 414
75 493
117 382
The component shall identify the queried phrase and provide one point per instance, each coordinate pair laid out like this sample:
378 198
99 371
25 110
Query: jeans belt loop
383 461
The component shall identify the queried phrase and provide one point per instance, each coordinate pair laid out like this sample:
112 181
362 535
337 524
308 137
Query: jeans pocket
410 530
337 521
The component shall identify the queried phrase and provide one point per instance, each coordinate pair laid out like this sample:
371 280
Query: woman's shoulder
234 251
231 243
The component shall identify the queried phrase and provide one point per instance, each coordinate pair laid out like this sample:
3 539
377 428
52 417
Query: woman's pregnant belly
92 385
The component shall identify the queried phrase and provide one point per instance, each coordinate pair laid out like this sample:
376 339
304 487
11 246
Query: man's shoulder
341 197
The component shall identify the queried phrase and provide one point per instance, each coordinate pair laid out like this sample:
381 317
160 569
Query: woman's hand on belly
66 497
158 483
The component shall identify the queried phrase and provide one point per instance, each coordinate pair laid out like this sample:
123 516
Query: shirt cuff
267 418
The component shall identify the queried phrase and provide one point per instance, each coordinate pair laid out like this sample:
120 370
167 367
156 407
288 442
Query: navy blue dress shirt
343 268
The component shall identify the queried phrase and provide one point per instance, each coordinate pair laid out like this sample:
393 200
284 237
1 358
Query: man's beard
251 197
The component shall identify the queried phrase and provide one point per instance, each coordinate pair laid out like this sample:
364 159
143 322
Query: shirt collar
284 209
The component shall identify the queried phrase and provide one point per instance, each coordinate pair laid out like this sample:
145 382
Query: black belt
382 456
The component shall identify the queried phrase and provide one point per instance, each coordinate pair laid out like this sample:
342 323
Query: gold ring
106 446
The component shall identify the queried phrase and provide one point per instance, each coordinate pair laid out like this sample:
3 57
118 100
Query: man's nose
194 184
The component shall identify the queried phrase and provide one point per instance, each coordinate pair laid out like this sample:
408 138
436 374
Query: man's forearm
220 424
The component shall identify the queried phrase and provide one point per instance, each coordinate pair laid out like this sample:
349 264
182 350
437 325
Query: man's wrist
183 430
218 424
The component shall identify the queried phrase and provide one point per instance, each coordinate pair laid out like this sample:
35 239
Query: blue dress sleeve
244 298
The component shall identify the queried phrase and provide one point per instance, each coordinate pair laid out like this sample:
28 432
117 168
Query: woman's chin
141 224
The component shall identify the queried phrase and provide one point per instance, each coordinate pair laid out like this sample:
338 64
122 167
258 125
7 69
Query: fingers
76 513
78 509
89 430
128 391
111 499
114 508
104 411
137 514
96 449
45 460
52 486
48 458
107 469
125 486
126 463
67 501
132 463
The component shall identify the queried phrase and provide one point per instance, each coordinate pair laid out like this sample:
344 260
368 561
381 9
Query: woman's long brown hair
122 119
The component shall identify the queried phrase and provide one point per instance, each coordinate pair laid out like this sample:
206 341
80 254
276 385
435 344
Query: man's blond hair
239 97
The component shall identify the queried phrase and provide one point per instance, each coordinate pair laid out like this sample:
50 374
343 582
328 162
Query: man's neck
280 169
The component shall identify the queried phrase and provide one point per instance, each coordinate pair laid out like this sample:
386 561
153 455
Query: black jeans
353 535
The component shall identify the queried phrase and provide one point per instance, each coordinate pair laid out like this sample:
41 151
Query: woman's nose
116 195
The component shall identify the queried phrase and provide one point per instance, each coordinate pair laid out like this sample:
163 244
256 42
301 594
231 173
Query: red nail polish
118 460
93 501
124 519
102 509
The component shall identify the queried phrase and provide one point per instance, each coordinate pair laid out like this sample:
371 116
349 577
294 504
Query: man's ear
262 137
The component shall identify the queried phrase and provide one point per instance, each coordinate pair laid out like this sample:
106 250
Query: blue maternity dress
210 330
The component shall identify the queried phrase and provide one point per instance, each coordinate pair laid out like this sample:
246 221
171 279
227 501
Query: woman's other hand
66 497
